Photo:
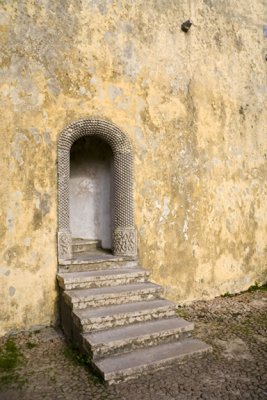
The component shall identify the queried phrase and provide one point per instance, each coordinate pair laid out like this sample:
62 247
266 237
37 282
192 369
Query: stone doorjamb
124 241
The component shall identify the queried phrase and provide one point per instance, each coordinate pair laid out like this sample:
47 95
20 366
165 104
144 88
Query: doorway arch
123 231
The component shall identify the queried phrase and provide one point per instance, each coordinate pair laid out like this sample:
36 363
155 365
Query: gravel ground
236 327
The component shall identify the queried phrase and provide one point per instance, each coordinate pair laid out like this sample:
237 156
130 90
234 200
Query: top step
85 245
93 260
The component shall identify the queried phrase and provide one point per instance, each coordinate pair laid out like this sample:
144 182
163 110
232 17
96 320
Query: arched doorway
91 190
122 214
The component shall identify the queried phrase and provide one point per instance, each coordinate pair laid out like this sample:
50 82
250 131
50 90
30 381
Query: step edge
162 361
97 261
101 283
145 336
142 285
61 277
164 304
92 320
184 324
112 295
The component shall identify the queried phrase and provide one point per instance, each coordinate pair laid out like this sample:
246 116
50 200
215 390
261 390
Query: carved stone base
124 242
64 246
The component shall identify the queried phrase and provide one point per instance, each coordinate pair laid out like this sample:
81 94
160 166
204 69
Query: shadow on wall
91 190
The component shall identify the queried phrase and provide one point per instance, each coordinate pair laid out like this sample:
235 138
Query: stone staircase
113 313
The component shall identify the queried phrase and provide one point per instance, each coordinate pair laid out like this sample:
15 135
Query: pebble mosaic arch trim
124 234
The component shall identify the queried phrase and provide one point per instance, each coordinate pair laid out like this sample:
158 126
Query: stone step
131 337
95 261
100 278
94 319
85 245
131 365
82 298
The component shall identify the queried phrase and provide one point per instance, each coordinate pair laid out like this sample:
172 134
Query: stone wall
194 108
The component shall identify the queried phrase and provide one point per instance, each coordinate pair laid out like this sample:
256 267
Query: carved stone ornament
124 234
125 242
64 246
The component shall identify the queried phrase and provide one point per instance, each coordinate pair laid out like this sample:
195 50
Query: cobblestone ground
236 327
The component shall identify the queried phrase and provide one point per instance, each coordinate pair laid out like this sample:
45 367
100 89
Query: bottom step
134 336
131 365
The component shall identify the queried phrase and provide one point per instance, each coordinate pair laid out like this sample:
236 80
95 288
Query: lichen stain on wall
194 108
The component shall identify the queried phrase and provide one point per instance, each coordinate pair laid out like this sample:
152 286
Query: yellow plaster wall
194 108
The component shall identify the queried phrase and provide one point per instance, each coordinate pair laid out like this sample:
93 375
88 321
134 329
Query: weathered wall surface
194 108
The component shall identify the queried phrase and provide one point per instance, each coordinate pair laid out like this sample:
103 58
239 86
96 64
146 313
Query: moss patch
31 345
73 354
256 287
9 355
251 289
77 358
182 313
10 359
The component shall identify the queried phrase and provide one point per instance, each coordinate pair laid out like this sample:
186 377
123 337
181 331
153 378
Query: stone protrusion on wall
124 241
124 234
64 246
